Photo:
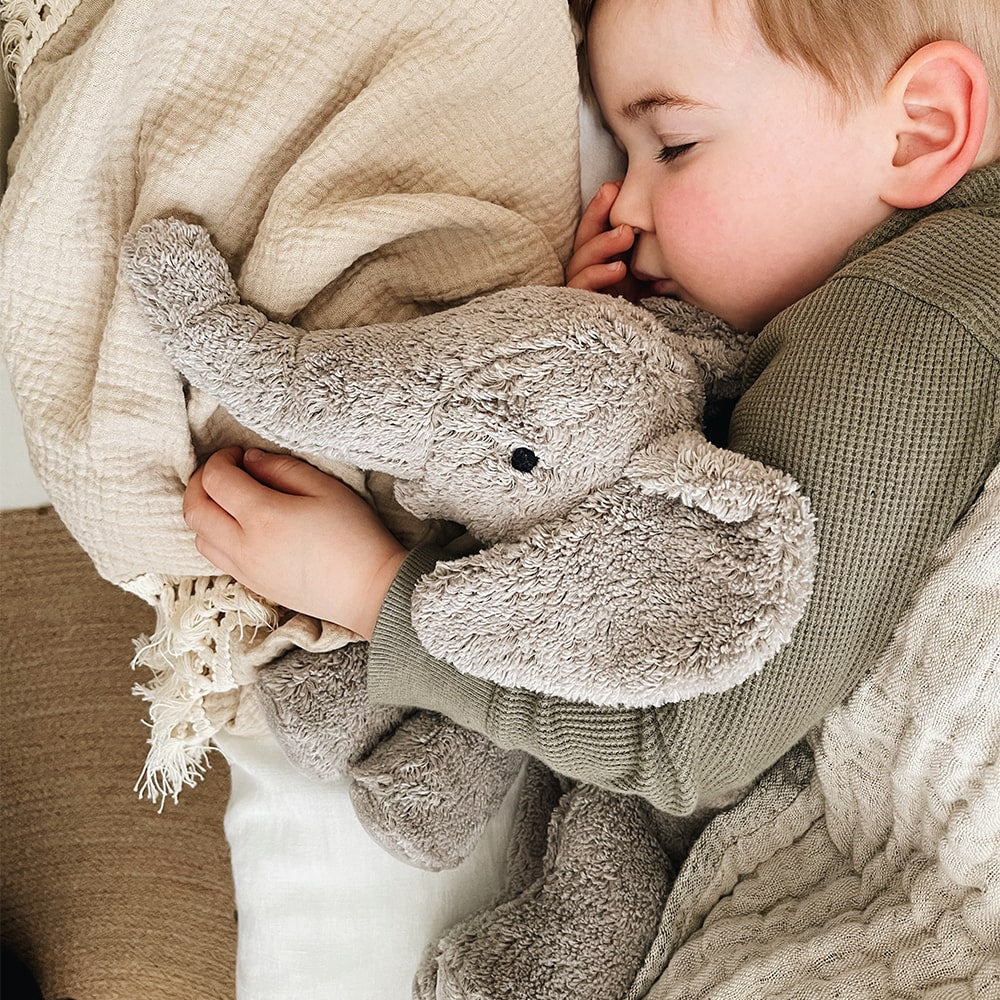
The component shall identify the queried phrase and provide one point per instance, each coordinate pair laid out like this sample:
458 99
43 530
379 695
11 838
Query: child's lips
658 286
665 286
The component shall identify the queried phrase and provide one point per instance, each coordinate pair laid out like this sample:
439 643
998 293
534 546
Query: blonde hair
857 45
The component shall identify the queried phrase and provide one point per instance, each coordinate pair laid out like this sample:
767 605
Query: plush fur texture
598 896
309 695
588 875
423 787
409 797
562 426
628 561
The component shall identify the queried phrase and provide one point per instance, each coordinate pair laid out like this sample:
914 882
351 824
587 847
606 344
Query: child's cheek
696 224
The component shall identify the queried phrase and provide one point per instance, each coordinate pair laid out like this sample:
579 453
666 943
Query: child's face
746 182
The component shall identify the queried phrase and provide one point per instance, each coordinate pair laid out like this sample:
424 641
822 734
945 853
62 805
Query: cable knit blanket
356 162
868 868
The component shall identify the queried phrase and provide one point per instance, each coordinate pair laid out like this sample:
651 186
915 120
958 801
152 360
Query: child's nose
631 207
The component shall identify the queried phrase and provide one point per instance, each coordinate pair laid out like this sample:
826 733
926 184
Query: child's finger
596 215
232 489
285 473
602 249
204 516
196 497
597 277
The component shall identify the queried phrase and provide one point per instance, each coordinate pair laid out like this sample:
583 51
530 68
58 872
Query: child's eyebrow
642 106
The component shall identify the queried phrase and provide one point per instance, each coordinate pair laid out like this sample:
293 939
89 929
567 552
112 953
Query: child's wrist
380 583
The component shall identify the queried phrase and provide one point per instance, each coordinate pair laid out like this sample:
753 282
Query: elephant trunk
333 393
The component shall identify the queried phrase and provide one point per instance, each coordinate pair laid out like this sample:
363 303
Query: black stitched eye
523 459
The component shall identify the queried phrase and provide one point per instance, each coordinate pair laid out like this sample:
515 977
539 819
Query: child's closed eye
669 153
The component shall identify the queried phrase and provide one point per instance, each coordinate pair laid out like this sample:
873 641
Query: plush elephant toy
625 561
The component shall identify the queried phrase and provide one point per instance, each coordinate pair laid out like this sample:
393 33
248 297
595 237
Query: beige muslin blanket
356 162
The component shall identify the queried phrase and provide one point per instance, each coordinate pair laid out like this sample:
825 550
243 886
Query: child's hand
597 263
293 535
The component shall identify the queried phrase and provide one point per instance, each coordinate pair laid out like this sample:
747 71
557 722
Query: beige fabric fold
355 162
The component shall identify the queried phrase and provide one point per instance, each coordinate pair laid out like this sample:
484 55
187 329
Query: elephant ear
682 579
718 349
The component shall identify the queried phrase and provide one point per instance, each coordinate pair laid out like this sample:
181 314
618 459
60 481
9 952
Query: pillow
600 159
322 910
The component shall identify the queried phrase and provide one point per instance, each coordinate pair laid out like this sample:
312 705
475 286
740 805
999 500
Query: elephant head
564 425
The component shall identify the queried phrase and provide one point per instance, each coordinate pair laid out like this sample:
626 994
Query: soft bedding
356 162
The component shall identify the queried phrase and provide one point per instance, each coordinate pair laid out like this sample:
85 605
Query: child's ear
939 99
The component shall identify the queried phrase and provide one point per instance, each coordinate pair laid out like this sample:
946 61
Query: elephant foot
581 930
317 707
427 791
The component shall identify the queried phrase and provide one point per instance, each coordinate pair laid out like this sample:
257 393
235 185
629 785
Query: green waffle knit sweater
880 393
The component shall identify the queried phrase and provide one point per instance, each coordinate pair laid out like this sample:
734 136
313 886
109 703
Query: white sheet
324 913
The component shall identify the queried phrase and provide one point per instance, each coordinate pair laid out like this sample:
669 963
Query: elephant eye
523 459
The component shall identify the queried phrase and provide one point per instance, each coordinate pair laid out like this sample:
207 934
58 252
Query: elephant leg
426 792
581 930
540 794
317 706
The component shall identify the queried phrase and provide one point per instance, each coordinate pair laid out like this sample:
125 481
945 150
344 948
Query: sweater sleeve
885 407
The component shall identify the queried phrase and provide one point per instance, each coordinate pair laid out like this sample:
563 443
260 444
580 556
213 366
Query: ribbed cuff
402 672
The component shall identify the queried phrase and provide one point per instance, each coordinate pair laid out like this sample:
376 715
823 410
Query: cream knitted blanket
868 869
356 162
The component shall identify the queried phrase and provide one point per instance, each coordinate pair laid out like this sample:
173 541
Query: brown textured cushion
102 896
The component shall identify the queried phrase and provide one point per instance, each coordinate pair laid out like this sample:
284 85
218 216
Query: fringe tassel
194 656
27 26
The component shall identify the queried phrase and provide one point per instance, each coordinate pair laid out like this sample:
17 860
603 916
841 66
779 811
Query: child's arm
890 444
888 415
